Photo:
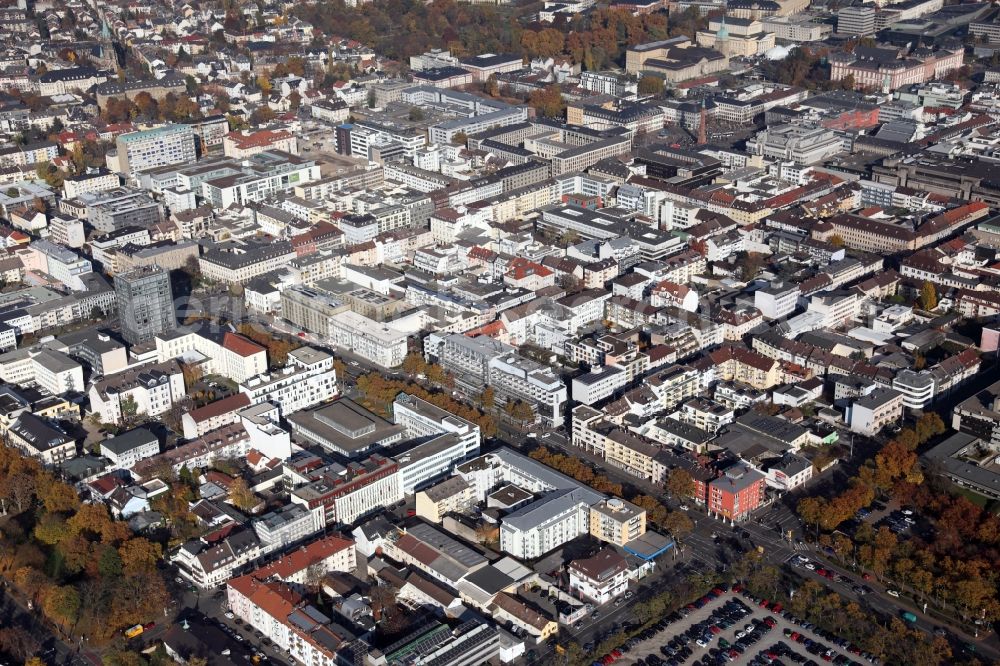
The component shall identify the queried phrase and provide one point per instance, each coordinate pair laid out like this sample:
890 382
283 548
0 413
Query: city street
52 649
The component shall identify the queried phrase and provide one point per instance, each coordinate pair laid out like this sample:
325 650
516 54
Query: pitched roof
240 345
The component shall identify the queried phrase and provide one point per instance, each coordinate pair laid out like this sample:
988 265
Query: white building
600 383
127 449
150 389
600 578
286 525
541 526
62 264
376 341
870 413
47 369
230 355
776 300
308 379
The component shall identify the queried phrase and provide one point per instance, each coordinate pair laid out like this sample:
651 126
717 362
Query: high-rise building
858 21
163 146
145 303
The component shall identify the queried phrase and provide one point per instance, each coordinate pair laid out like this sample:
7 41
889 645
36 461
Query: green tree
928 296
416 114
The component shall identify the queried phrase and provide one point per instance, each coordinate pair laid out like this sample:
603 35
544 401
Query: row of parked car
658 628
817 648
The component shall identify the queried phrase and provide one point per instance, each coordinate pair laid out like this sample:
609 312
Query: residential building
209 565
453 495
346 493
600 578
307 380
128 448
617 521
869 414
546 524
379 342
151 388
286 525
217 414
737 492
37 438
229 354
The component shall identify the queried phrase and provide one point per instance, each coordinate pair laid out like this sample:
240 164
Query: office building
145 304
857 21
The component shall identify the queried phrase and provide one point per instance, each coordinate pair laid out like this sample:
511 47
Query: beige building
735 37
451 495
616 521
676 59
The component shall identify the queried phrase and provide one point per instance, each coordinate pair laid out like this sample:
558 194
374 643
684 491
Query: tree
62 604
192 374
416 114
928 296
139 556
129 408
459 138
651 85
241 495
492 87
414 364
680 484
488 397
548 101
837 240
264 83
295 100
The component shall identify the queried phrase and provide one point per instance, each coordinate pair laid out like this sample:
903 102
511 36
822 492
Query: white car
740 634
810 566
229 616
700 643
892 593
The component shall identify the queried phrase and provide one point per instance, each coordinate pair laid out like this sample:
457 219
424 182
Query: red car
821 572
829 574
715 630
616 653
718 591
763 603
776 608
770 621
794 636
866 576
737 588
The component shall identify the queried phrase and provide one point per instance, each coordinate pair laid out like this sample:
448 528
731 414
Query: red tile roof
240 345
226 405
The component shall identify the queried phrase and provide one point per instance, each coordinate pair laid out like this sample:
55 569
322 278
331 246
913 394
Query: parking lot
746 626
